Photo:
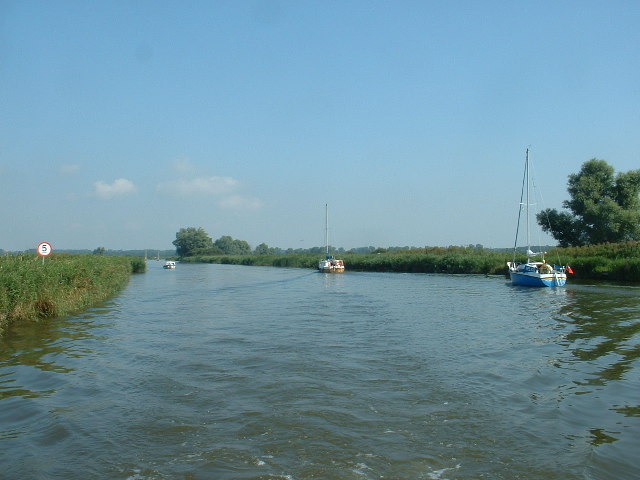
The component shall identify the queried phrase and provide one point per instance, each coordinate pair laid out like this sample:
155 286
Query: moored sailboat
329 264
533 273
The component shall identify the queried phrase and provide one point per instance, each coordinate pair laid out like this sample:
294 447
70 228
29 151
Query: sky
122 122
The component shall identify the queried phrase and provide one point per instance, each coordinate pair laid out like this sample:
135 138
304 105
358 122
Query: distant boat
329 264
533 273
169 265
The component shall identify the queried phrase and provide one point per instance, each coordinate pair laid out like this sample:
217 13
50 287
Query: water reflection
604 326
602 347
590 335
29 352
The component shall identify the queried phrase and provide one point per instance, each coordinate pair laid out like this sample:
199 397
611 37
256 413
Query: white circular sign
44 249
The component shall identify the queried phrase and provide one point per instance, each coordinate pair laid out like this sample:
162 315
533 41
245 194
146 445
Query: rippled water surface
230 372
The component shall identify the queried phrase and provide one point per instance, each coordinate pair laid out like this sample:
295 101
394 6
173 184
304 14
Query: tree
230 246
264 249
604 207
191 240
99 251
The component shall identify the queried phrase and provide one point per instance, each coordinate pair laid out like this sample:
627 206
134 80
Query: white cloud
222 188
237 202
199 186
119 187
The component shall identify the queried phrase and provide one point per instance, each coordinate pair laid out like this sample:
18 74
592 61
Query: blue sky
122 122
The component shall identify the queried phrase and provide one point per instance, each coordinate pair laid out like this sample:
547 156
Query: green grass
31 290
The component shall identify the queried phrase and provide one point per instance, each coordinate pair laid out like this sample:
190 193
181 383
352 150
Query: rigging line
544 212
515 242
537 195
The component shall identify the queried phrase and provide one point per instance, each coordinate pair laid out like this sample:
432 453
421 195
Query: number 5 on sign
44 250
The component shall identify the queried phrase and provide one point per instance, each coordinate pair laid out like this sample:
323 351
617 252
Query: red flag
569 270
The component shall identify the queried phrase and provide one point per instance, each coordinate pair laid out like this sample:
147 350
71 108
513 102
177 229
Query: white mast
527 180
326 227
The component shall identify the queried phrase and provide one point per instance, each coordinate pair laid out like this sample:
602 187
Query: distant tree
230 246
264 249
604 208
211 250
191 239
99 251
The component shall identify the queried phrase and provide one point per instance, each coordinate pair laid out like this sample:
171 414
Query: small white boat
169 265
329 264
533 273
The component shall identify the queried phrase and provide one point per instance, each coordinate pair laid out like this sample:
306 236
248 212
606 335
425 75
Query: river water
232 372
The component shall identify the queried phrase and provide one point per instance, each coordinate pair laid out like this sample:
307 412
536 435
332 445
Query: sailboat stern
331 265
536 274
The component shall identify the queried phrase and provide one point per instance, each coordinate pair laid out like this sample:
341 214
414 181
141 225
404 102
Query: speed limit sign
44 249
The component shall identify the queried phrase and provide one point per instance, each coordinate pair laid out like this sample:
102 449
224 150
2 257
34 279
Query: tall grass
609 261
619 262
431 260
62 285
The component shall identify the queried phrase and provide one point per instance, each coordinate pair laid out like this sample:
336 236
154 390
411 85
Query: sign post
44 250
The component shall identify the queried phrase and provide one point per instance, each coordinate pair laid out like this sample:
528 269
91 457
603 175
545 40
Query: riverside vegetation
63 285
66 284
617 262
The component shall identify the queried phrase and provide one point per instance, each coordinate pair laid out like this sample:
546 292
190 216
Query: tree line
192 242
196 242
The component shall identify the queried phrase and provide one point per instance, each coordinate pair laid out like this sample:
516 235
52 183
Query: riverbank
31 290
616 262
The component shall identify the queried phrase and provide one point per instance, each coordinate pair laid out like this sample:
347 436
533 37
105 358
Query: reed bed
610 261
616 262
32 290
431 260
